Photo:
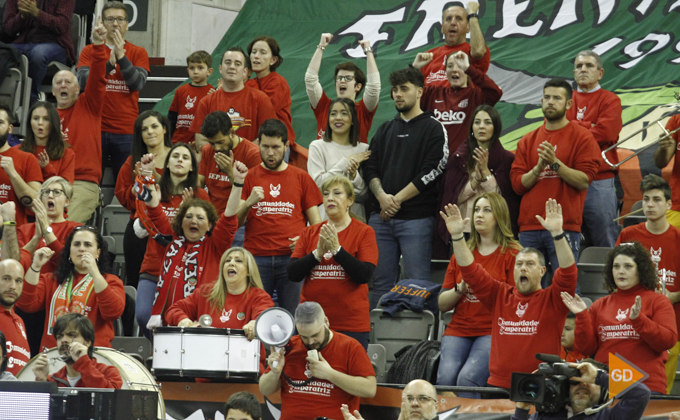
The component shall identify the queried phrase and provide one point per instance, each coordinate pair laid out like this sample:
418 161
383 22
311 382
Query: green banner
531 41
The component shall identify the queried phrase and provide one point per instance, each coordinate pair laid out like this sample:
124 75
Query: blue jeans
410 239
274 273
600 211
543 241
146 289
464 361
39 56
239 237
116 148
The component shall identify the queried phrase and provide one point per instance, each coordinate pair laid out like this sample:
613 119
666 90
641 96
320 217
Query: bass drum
135 375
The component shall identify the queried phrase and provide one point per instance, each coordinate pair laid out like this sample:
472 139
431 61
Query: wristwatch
486 178
472 15
555 166
49 229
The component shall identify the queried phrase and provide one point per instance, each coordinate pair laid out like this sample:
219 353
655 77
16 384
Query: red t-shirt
471 318
64 167
82 123
216 182
61 230
281 214
524 324
571 356
576 148
184 103
657 244
276 87
28 168
238 309
120 103
344 301
107 306
672 124
603 109
18 352
435 70
154 251
364 116
321 397
606 328
248 109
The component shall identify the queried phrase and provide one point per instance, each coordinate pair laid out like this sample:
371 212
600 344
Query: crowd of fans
227 217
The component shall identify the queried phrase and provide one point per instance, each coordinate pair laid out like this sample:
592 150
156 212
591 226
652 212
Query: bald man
11 286
418 402
81 121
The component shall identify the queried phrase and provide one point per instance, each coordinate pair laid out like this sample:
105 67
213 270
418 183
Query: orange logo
623 375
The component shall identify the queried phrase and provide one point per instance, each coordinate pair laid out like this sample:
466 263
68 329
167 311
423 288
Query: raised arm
372 89
665 152
477 43
10 242
312 85
553 224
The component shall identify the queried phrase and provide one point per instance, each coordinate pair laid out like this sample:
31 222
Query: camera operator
584 395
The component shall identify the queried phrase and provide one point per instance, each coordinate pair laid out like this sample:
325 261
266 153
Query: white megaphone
274 327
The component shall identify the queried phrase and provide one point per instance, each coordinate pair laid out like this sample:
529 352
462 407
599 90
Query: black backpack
10 58
418 361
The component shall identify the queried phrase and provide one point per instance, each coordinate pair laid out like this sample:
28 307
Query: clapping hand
636 308
574 303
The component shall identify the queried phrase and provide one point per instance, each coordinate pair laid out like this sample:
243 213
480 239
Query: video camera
548 390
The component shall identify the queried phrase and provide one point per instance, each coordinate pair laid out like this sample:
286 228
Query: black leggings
134 249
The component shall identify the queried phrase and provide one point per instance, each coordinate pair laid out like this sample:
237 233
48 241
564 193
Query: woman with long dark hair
633 320
151 135
340 152
44 140
480 165
81 283
179 181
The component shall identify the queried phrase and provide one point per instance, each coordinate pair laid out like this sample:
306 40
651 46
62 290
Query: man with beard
11 285
457 22
408 154
20 177
557 160
598 111
418 402
75 339
584 394
319 370
278 200
529 318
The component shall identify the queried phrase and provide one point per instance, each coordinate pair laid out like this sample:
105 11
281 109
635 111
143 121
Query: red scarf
180 275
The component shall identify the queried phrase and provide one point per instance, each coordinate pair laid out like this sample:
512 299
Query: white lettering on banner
611 332
264 208
510 18
518 327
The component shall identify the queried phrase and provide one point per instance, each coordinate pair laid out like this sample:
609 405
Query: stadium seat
438 271
444 321
401 330
376 352
590 272
635 218
137 347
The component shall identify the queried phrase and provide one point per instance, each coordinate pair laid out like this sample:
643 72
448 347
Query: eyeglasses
344 78
120 20
422 399
55 193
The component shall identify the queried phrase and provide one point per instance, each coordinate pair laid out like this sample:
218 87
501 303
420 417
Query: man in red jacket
75 338
598 111
529 319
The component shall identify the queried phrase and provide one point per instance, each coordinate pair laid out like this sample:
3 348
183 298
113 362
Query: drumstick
629 214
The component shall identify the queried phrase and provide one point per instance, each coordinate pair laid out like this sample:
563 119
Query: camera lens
529 388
